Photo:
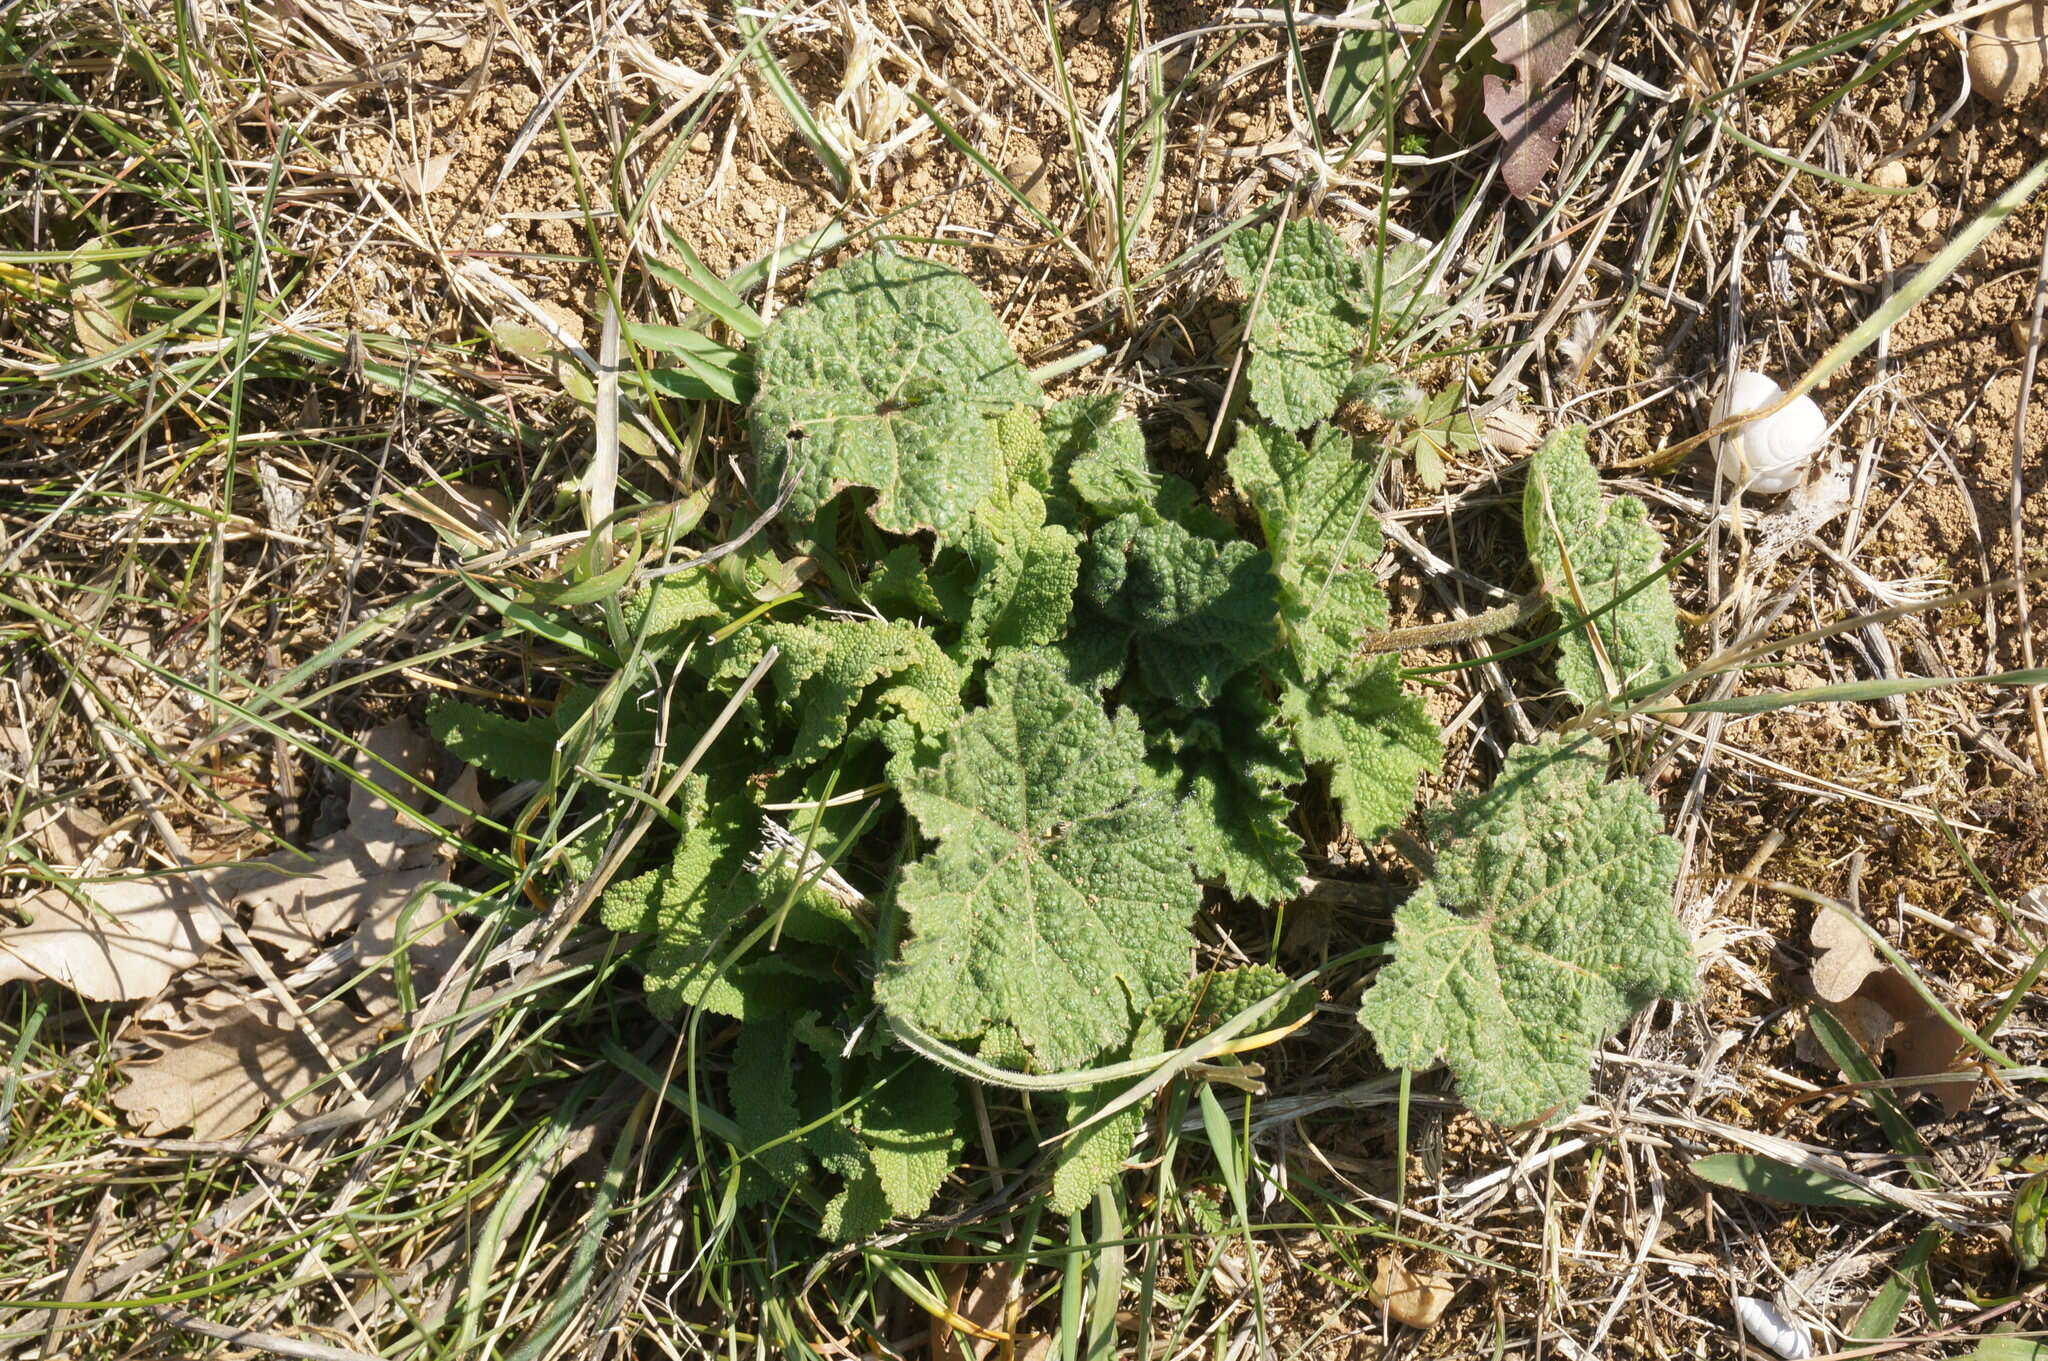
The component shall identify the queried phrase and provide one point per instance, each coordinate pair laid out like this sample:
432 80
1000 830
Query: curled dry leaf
469 518
254 1059
102 296
1843 957
981 1306
1877 1006
63 834
124 940
423 177
1416 1299
674 85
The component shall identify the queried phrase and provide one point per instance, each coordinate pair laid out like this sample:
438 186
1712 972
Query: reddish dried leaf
1529 132
1531 112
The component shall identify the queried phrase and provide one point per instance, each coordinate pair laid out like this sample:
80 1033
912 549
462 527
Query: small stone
1089 24
1929 220
701 143
754 173
570 323
1890 175
2007 53
1027 173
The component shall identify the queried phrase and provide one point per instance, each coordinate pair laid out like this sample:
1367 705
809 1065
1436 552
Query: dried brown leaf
63 834
222 1082
124 940
115 942
1843 958
1866 1020
1885 1014
386 852
1530 131
1416 1299
256 1060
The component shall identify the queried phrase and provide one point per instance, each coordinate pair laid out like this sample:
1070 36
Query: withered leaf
1532 111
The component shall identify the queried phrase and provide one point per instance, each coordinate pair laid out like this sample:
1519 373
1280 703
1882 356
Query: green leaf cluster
956 761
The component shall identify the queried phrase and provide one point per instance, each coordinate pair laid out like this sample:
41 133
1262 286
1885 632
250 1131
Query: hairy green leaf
689 904
1306 316
1087 427
909 1125
1314 505
1087 1159
1027 574
887 376
900 581
1375 738
1021 445
762 1088
1099 457
1590 555
1198 612
1546 925
512 749
1211 999
1388 392
1059 896
1234 764
830 666
673 609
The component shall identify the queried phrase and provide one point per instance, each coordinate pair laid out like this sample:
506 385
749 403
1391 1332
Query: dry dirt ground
448 170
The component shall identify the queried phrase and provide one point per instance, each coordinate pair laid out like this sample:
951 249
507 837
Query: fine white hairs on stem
1771 454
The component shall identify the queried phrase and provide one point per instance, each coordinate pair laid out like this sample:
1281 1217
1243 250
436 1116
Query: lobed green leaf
889 375
1546 925
1059 897
1601 564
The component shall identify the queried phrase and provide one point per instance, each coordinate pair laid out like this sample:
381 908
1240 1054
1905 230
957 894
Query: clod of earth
1415 1299
2006 55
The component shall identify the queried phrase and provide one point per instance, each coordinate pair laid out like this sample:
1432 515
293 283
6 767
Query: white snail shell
1767 1324
1772 454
